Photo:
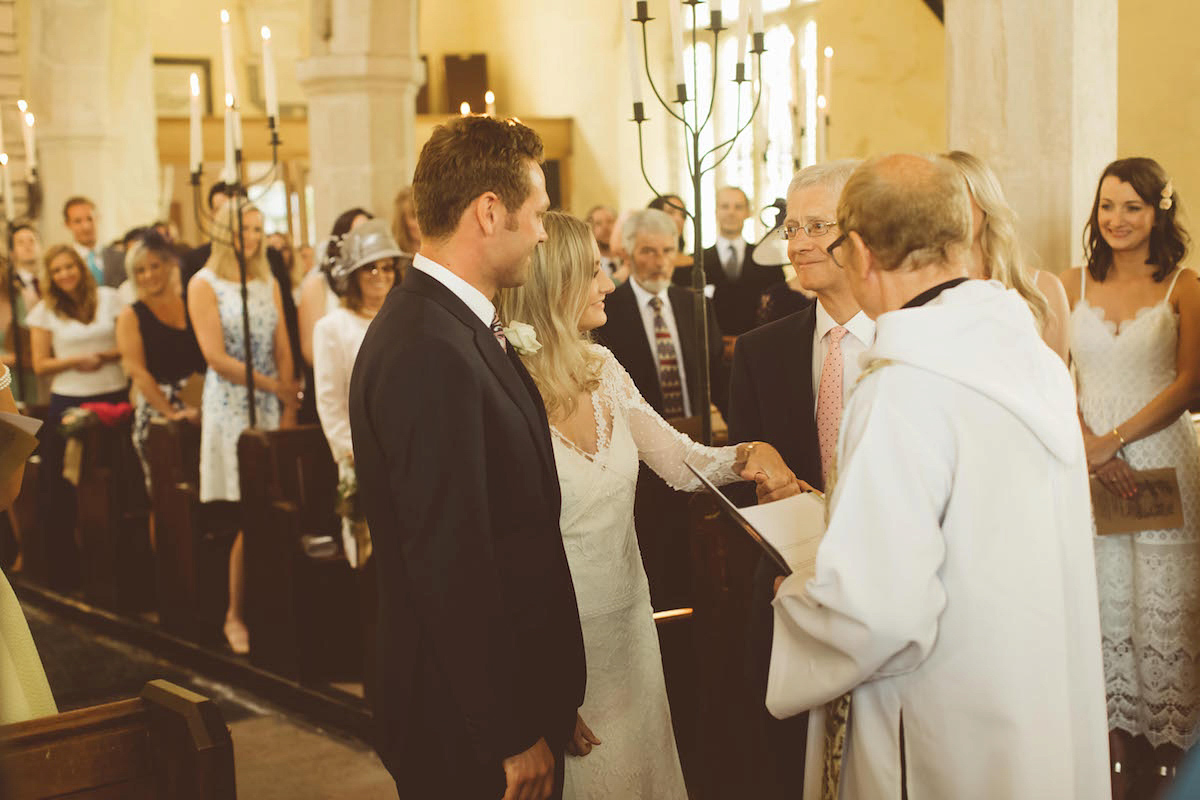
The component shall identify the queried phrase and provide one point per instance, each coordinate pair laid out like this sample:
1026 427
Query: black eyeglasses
834 244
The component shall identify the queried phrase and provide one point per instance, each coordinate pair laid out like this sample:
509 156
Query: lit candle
756 11
489 103
196 141
227 55
465 108
8 192
677 74
822 131
230 169
828 79
30 146
633 53
271 91
742 31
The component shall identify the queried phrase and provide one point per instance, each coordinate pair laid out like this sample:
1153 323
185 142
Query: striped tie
668 364
498 332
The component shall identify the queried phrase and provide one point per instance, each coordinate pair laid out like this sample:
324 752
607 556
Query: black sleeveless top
171 354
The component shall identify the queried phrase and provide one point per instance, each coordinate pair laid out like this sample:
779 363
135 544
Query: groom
481 664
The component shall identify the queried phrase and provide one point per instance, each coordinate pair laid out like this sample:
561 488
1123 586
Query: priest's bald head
906 227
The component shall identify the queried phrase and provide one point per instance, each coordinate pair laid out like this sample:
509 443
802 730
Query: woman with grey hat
362 274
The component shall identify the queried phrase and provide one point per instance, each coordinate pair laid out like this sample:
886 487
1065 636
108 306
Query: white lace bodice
598 490
1149 606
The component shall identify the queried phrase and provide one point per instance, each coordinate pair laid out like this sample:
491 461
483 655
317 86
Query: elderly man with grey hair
652 331
789 380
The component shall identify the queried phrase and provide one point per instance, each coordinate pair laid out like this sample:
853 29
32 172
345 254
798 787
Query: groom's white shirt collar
480 305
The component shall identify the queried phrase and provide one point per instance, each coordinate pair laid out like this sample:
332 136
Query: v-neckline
602 442
1118 329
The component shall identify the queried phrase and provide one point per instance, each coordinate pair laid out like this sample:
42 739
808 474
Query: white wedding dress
1149 582
626 702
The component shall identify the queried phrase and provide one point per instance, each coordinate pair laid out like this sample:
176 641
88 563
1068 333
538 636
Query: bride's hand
759 458
583 739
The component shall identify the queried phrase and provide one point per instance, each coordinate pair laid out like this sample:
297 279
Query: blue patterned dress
223 409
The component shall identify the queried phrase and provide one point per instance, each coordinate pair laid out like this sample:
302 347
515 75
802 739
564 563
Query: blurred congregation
190 273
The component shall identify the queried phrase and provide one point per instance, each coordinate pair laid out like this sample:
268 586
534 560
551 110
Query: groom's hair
465 158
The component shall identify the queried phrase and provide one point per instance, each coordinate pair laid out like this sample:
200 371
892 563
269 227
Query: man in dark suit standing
738 283
788 383
652 331
481 661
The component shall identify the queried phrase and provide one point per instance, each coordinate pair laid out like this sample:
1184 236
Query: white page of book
794 526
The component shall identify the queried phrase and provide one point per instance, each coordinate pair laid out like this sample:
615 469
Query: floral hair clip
1166 202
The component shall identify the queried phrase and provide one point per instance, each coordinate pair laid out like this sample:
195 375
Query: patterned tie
668 364
829 400
732 266
498 332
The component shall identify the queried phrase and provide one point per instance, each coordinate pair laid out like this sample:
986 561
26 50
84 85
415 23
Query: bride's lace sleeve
661 446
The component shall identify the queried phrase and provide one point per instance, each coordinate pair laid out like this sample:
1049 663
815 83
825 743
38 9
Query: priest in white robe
954 595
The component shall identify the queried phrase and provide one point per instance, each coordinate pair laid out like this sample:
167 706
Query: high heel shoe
237 636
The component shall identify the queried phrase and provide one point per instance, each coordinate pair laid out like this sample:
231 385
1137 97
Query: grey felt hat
369 242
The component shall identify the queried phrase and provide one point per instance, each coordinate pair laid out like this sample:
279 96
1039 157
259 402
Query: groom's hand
530 775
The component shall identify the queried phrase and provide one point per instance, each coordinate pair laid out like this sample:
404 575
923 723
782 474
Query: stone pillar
91 88
1032 88
362 82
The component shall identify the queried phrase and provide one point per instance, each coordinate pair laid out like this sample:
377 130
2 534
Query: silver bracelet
6 378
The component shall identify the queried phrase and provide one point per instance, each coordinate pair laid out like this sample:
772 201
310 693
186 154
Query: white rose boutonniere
522 336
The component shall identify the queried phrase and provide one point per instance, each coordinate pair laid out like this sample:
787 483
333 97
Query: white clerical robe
955 588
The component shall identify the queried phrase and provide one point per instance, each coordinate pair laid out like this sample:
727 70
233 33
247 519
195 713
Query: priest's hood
983 336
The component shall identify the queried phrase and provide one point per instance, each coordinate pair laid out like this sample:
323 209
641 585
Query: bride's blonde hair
1003 257
552 300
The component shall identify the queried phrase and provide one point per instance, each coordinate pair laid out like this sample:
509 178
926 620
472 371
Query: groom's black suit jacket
771 400
480 649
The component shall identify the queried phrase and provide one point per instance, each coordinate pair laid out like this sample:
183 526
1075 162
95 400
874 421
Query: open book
788 531
17 440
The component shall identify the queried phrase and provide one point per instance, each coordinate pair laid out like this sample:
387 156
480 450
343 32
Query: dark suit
771 400
480 652
625 335
736 301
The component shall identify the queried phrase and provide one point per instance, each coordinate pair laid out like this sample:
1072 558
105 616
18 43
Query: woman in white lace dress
601 427
1135 340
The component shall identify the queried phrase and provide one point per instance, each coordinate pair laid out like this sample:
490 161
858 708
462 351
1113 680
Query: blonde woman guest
1135 341
601 428
158 346
996 253
362 275
73 338
215 305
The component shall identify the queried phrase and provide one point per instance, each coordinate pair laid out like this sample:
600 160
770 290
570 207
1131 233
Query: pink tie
829 401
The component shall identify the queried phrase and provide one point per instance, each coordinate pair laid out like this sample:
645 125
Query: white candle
822 131
741 32
230 170
828 79
271 91
30 145
489 101
465 108
196 140
227 55
677 74
8 190
756 11
633 52
237 129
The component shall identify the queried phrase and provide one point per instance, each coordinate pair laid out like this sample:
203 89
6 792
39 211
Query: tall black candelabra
699 163
33 200
238 190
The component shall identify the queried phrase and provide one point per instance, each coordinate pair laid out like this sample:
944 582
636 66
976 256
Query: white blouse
336 339
70 337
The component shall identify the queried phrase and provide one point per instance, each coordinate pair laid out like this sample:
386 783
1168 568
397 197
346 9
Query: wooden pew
303 605
168 742
191 545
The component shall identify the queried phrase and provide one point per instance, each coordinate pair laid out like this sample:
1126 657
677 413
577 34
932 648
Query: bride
601 427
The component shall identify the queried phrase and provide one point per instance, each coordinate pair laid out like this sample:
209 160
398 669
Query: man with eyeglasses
789 381
949 631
